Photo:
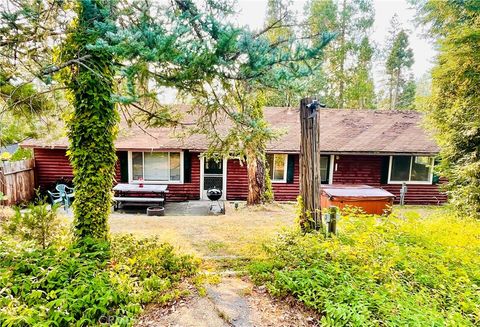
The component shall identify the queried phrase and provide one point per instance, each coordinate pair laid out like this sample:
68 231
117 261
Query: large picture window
277 165
413 169
156 166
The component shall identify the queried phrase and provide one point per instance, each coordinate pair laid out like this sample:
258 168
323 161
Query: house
381 148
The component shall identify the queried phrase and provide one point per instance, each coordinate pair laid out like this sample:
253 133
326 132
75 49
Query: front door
213 176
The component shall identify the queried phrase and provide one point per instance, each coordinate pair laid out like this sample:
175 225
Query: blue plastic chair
55 197
67 194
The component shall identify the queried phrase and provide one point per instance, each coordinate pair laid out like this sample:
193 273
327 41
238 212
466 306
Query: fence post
332 226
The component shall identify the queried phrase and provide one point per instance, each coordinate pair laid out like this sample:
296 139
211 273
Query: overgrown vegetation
453 109
87 283
38 223
394 271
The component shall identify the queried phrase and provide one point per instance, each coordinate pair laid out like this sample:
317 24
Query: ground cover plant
87 282
403 270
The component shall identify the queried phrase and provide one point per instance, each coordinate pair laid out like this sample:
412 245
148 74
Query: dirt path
232 302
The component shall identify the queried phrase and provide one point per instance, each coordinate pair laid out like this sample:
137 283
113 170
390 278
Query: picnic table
125 193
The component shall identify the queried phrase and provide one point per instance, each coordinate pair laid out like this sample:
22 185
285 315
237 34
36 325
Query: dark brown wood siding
237 180
367 170
237 183
53 165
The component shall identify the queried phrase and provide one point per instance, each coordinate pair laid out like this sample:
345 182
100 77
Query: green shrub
88 283
39 223
22 154
150 270
5 156
381 271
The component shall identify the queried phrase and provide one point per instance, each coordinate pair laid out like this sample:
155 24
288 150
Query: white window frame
430 177
331 161
330 168
285 168
130 168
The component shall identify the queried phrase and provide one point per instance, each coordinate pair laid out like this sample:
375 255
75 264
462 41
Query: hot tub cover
363 191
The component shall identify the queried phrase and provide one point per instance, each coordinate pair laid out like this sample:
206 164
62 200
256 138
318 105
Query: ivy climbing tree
93 126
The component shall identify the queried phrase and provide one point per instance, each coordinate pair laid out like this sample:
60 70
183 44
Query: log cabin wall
52 165
368 170
237 183
362 170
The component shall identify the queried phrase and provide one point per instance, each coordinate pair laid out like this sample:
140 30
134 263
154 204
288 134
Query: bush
22 154
5 156
381 271
88 283
39 223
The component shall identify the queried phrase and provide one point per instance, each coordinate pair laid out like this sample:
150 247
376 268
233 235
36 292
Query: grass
230 239
227 241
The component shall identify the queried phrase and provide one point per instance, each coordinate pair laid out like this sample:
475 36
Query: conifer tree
453 111
401 87
345 78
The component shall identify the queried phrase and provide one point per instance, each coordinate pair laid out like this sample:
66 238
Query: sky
253 12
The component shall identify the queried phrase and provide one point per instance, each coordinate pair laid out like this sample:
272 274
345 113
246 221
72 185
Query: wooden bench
137 200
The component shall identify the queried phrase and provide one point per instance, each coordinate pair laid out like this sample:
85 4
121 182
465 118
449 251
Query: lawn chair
67 194
55 197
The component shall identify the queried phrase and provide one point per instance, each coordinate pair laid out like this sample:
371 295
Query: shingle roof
342 131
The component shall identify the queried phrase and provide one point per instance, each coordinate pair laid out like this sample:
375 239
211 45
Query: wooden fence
17 181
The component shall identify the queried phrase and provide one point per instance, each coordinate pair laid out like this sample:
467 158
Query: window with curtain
411 169
324 171
277 165
156 166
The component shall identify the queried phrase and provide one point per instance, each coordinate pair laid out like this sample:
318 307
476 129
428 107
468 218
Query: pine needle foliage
454 109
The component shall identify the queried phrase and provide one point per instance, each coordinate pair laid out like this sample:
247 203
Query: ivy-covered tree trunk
93 127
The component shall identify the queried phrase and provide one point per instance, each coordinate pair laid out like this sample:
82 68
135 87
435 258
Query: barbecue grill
214 194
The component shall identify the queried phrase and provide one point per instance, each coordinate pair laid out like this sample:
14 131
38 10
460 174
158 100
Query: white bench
137 200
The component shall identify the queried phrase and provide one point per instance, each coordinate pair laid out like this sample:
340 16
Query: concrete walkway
185 208
233 302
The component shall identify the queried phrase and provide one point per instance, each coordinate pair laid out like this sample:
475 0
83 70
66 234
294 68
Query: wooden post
310 167
332 226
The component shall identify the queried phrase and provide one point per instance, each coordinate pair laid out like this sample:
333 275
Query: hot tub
370 199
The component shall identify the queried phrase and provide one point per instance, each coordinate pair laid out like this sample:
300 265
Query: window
324 169
412 169
156 166
277 165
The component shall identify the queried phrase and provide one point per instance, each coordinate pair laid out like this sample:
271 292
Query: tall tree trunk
390 92
256 177
397 89
341 87
93 127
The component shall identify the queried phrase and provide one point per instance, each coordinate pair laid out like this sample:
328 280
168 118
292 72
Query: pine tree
453 110
345 78
401 86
